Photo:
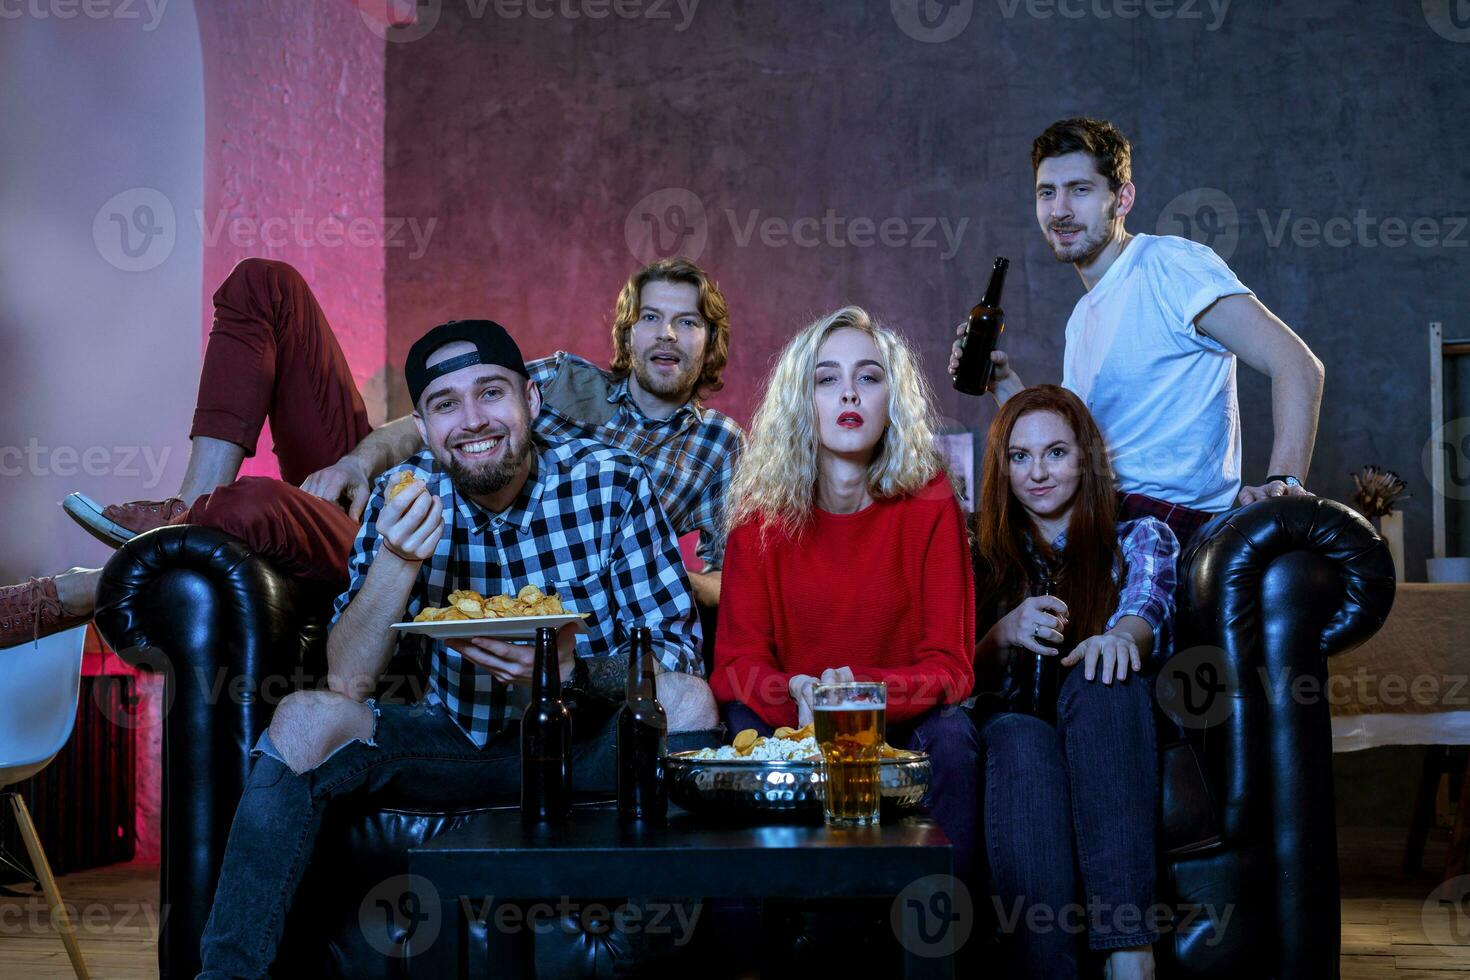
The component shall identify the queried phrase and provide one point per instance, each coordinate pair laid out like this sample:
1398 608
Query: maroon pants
272 354
1183 521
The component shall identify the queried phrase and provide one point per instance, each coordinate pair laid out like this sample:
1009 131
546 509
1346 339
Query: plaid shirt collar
520 511
621 395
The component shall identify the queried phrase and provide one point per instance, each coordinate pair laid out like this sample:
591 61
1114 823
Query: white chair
39 686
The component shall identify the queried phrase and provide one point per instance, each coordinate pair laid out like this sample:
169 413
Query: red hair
1085 579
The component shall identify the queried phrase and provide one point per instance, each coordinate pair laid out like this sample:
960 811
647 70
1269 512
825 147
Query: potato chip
784 732
404 481
744 741
469 604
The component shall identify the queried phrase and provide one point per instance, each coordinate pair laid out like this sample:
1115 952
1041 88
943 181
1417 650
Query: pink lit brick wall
294 113
293 129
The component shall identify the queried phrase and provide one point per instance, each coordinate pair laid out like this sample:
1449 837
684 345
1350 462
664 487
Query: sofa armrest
232 635
1269 592
1224 568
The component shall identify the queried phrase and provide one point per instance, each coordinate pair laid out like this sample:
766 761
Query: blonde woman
847 556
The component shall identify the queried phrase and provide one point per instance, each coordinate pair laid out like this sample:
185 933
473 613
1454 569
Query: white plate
509 628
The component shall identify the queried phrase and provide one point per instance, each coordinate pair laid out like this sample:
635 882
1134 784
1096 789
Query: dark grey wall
540 143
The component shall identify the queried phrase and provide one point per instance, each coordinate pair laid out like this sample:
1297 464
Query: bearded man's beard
679 385
491 477
1087 248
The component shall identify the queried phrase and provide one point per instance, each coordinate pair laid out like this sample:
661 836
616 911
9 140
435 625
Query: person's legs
688 703
1107 733
306 536
271 353
41 606
738 717
1027 831
354 747
949 737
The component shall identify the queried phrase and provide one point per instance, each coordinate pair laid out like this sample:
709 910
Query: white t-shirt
1162 392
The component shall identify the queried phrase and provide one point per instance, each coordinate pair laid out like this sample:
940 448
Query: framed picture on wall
961 448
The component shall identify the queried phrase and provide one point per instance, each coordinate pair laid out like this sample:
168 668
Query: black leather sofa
1247 823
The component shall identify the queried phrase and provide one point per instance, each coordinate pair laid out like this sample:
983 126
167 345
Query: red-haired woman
1083 792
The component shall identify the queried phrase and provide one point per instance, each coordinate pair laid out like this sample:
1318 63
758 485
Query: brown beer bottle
642 738
987 322
546 741
1038 675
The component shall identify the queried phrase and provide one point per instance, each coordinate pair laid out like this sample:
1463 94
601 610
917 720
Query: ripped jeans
417 752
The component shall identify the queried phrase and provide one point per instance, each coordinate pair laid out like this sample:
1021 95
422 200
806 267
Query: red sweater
888 591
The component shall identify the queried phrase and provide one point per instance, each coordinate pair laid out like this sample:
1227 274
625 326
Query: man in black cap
491 508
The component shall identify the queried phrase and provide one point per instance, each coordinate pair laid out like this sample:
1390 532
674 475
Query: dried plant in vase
1377 490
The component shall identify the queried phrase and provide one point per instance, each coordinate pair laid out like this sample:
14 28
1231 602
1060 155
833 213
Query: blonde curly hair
777 477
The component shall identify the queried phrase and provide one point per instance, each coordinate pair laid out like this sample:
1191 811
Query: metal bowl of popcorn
781 777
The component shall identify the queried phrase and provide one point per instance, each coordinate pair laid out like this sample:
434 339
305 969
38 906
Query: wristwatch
1285 478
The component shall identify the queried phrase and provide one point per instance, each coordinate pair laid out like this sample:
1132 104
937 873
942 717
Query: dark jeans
1081 795
417 752
948 735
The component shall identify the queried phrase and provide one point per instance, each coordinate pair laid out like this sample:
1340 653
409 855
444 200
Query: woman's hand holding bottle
1036 624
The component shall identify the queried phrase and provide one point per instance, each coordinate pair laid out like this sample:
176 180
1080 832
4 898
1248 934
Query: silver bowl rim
784 765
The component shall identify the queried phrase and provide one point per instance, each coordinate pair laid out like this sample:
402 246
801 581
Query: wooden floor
1383 929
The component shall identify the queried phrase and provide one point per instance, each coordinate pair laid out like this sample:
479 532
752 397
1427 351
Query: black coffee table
690 858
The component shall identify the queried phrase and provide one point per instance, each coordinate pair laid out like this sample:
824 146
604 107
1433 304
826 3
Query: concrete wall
100 171
550 142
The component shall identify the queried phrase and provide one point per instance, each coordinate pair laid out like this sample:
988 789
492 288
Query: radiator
83 802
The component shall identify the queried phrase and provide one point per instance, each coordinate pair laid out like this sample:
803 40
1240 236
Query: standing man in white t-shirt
1152 346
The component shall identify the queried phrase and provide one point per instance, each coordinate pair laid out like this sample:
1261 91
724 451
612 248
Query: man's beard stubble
680 386
1082 252
490 477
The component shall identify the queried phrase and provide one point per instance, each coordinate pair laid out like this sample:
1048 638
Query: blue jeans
948 735
418 753
1083 794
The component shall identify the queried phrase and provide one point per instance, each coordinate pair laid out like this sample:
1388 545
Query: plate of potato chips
501 617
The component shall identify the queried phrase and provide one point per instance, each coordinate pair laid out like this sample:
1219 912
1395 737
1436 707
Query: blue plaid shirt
586 526
1146 580
691 455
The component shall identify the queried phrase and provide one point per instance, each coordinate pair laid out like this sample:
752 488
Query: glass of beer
849 721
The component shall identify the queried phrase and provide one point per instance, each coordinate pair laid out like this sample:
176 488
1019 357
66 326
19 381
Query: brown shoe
116 524
32 610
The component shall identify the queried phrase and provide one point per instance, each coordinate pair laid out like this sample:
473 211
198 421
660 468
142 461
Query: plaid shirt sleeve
709 512
649 585
543 369
1150 552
